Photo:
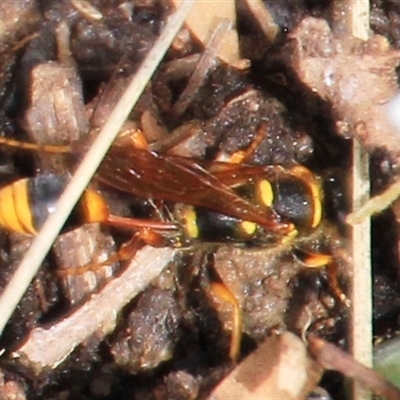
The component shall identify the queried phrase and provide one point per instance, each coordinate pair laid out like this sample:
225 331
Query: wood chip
46 348
203 20
278 369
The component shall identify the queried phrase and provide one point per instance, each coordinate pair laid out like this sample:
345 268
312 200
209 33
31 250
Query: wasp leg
242 156
220 290
316 260
332 270
34 146
134 137
139 239
312 260
126 252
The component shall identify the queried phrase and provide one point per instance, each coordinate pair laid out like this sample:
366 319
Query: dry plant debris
331 357
176 334
47 347
322 62
202 28
279 369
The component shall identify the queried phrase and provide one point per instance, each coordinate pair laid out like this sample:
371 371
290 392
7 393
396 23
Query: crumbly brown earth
171 341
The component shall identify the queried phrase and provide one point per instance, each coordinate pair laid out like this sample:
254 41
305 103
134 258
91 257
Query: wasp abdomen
26 203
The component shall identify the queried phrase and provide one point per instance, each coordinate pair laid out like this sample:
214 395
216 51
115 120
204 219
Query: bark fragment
357 77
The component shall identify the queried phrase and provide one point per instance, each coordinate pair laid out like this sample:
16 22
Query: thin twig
361 289
264 18
205 64
331 357
47 347
375 205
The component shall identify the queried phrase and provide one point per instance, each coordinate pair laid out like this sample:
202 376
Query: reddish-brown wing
181 180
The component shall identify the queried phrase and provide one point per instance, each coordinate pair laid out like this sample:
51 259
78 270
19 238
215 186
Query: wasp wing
181 180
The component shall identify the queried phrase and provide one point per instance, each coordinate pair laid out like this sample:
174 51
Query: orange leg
136 138
312 260
242 156
220 290
34 146
332 269
126 252
316 260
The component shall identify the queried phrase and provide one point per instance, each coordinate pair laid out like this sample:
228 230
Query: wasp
213 201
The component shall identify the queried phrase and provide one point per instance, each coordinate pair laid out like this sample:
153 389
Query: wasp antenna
34 146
